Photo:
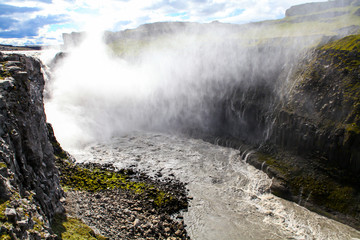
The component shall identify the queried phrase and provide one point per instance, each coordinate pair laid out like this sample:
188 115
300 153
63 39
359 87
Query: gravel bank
123 214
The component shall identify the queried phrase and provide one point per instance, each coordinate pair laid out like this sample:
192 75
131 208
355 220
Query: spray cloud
165 82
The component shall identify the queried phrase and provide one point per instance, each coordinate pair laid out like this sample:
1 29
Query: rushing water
230 198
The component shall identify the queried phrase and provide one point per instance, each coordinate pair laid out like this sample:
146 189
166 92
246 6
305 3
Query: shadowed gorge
288 94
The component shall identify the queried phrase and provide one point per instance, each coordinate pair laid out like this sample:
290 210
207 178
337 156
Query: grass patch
68 228
349 43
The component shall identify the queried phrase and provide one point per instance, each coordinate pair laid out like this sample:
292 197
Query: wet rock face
27 167
311 108
307 135
321 114
248 113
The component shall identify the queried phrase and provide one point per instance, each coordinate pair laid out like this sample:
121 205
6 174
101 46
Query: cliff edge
30 191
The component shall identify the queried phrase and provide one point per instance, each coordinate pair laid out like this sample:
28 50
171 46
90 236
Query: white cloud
116 15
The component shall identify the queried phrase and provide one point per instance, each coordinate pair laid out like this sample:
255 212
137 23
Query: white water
231 199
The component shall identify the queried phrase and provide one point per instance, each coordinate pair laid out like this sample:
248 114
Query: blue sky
25 22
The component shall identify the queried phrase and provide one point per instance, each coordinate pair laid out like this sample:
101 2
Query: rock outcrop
305 123
30 192
306 105
322 113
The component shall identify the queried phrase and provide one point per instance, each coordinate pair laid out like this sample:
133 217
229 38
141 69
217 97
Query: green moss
340 198
275 163
342 54
38 224
161 198
3 165
325 192
320 189
310 185
68 228
352 98
4 224
349 43
3 73
341 57
5 237
97 179
352 128
3 205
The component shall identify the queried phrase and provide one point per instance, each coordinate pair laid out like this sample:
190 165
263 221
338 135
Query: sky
42 22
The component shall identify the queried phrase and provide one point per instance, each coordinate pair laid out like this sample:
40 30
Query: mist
177 83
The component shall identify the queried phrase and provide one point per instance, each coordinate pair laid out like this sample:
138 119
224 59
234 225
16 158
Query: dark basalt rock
304 122
313 110
28 176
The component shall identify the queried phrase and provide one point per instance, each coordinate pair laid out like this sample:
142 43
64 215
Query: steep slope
309 134
321 113
29 185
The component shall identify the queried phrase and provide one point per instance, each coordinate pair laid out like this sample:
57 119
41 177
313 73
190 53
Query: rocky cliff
308 106
29 186
323 105
304 122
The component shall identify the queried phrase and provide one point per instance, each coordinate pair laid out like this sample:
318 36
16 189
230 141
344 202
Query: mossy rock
3 73
349 43
318 187
3 205
69 228
5 237
99 179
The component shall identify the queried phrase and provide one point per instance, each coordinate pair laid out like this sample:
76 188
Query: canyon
288 104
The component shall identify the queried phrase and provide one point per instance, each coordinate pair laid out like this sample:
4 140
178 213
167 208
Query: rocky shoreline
120 204
118 214
149 212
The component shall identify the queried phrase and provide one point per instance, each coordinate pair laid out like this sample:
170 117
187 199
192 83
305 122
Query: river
230 199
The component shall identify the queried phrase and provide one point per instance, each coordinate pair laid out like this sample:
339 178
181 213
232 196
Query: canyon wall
30 192
309 106
305 127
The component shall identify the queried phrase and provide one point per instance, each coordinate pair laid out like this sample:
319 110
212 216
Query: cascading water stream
95 114
229 198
